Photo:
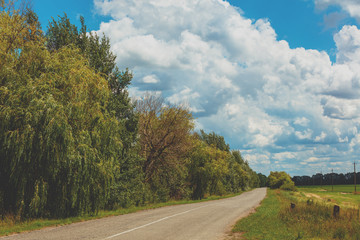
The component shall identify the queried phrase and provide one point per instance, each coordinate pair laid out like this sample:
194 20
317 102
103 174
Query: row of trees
73 142
326 179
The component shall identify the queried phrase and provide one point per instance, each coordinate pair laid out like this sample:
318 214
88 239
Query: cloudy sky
280 79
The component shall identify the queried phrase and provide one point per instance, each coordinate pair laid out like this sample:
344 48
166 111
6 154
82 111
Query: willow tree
127 188
97 50
58 141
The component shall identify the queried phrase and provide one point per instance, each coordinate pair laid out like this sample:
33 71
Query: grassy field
342 195
10 225
312 217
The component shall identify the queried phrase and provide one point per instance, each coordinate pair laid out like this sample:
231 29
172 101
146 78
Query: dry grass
315 220
310 219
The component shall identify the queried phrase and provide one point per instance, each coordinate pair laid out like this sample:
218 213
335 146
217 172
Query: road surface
205 220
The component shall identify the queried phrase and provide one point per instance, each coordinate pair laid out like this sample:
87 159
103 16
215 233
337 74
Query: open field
328 188
312 217
342 195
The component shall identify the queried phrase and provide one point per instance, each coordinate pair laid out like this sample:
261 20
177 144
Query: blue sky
280 80
297 21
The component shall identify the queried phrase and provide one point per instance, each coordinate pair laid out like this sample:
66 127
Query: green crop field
342 195
329 188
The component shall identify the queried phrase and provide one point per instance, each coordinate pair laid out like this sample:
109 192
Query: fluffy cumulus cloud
285 109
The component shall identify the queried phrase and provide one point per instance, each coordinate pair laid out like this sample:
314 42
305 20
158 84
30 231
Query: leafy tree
281 180
165 139
238 158
62 33
215 140
263 180
237 178
252 180
97 51
59 143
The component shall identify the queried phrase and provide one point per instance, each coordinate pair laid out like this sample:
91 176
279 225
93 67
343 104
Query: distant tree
302 180
280 180
263 180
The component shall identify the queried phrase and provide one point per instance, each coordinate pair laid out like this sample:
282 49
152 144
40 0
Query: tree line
73 142
326 179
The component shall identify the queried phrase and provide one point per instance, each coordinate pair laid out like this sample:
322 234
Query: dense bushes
71 140
281 180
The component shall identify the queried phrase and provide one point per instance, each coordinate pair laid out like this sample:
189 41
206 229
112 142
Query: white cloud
350 6
321 137
303 121
150 79
304 135
348 44
238 79
284 156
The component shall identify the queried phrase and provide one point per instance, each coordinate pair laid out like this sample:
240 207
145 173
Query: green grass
264 223
337 188
312 218
10 225
342 195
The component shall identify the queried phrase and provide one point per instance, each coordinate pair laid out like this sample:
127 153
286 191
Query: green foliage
127 185
215 140
262 180
207 170
288 186
165 139
281 180
216 171
61 33
128 188
58 142
237 178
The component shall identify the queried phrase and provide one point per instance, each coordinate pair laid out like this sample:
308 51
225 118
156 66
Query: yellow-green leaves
281 180
58 142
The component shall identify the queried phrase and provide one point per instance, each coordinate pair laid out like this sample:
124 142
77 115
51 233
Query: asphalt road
206 220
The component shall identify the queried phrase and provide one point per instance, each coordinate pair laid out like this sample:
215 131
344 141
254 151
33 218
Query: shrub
288 186
281 180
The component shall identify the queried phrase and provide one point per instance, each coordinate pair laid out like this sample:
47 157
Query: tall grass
275 219
315 220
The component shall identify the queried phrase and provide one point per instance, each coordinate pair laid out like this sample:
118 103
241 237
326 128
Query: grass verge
275 219
9 224
264 223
